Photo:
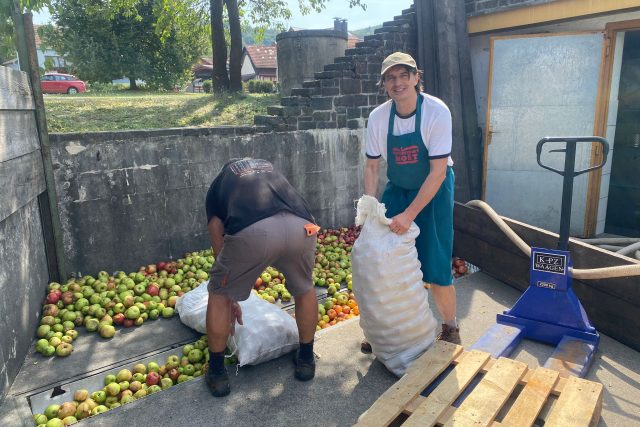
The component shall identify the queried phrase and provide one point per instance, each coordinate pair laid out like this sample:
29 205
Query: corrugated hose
591 273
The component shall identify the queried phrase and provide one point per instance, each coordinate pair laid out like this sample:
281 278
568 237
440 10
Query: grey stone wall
346 91
482 7
132 198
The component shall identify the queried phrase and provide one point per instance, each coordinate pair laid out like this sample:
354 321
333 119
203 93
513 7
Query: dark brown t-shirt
248 190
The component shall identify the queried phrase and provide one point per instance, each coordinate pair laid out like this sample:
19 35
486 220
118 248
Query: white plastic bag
268 331
394 310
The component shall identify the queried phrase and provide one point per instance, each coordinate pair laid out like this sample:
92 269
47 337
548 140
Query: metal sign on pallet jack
549 311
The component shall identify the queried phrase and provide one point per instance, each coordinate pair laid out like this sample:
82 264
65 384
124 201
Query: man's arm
437 173
371 176
216 231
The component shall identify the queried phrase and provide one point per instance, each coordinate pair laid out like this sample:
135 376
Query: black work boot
305 369
218 383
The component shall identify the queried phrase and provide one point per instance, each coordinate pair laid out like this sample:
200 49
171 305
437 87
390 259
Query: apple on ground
64 349
108 379
113 389
81 395
153 389
67 421
153 378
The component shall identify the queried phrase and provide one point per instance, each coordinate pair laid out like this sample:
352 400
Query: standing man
256 219
412 131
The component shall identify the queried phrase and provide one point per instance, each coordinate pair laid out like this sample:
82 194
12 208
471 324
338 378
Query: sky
378 11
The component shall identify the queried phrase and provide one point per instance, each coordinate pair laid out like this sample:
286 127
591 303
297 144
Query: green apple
55 422
40 419
132 313
195 355
108 379
51 411
140 368
113 389
124 375
64 349
107 331
153 367
153 389
67 421
99 396
99 410
43 330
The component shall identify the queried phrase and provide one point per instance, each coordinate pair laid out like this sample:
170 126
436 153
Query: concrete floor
346 384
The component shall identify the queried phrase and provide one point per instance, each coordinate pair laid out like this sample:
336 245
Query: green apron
407 169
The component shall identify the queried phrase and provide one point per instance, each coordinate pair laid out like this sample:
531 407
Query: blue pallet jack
549 311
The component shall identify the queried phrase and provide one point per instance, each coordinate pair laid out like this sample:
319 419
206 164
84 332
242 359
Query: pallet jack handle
569 173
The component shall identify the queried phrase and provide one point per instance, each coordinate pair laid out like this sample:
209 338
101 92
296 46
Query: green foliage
127 110
152 40
365 31
97 88
259 36
260 86
206 86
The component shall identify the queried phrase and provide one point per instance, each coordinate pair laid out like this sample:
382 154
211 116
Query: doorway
623 205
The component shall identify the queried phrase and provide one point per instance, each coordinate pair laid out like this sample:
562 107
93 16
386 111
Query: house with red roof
260 63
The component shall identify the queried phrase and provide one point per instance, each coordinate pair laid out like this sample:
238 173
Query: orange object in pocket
311 229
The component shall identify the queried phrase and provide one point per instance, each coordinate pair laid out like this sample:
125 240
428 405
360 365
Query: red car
61 83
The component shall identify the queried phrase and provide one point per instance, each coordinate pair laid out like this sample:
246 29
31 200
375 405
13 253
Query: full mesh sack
268 331
394 310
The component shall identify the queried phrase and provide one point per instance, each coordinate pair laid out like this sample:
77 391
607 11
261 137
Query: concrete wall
131 198
23 270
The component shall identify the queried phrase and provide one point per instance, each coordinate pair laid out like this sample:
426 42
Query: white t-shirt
435 129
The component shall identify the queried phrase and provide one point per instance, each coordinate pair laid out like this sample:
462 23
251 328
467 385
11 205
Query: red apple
153 289
153 378
174 374
118 318
128 323
53 298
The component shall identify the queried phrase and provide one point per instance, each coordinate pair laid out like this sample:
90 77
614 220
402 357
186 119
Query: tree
152 40
261 13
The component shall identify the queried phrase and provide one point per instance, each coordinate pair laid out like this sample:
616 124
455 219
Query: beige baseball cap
397 58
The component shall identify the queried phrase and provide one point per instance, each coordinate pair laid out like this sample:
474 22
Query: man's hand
400 223
236 315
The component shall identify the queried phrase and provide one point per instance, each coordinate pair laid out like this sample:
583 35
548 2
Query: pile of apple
333 257
129 385
459 267
103 302
270 286
337 308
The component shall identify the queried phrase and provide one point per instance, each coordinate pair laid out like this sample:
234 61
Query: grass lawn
147 110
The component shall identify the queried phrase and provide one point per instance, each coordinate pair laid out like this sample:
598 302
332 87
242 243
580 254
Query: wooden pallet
508 394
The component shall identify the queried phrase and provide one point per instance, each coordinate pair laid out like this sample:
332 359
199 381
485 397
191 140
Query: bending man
256 219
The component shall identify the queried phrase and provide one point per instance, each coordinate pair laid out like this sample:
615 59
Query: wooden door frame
488 131
600 122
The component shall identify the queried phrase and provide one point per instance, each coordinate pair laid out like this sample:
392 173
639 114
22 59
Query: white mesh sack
394 310
268 331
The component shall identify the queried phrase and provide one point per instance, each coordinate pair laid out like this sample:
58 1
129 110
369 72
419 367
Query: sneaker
218 383
305 369
449 334
365 347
